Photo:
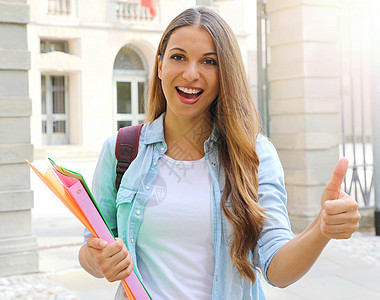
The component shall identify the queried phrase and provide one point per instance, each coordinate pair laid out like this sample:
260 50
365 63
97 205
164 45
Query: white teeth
189 91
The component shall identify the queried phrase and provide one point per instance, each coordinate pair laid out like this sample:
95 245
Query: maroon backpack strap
127 146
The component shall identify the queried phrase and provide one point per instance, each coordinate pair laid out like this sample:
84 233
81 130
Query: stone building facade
18 249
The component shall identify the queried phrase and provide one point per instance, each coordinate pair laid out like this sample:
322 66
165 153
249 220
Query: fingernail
103 243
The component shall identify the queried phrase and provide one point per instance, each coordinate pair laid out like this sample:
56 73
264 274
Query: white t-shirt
175 247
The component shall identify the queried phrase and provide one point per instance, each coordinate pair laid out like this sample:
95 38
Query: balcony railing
59 7
131 10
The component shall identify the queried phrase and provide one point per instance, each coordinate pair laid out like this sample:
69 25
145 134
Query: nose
191 72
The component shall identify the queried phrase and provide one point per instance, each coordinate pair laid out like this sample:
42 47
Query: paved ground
346 270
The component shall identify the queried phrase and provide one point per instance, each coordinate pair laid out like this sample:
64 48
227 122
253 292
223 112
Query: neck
185 138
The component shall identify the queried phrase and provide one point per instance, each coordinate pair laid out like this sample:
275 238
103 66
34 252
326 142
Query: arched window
128 59
130 86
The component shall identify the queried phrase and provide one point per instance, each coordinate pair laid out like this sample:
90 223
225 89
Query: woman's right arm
87 261
111 261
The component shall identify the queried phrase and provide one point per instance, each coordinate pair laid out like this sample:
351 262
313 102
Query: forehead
191 38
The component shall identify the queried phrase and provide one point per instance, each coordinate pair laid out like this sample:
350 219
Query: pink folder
75 188
80 195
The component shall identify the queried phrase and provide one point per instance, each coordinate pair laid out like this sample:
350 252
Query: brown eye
210 61
177 57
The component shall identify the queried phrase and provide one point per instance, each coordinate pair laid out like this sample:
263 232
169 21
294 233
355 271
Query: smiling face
189 74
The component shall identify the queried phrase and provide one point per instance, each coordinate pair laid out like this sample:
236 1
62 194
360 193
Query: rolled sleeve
276 231
103 185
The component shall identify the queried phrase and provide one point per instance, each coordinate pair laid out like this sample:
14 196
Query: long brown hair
237 125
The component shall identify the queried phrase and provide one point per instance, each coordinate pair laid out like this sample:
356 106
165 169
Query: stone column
304 106
18 249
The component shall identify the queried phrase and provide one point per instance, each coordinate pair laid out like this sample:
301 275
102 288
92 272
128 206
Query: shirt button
216 278
208 147
155 163
147 187
162 149
138 212
132 241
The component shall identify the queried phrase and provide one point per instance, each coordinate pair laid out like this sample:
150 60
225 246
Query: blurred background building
316 87
92 62
308 64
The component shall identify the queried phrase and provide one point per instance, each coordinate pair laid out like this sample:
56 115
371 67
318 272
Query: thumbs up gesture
339 216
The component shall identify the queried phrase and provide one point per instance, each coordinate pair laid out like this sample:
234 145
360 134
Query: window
130 87
132 10
121 124
54 109
130 100
47 46
128 59
124 99
141 87
59 7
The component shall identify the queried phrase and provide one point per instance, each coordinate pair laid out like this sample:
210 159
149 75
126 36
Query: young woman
202 208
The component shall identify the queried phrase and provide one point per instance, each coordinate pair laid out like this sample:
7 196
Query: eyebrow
180 49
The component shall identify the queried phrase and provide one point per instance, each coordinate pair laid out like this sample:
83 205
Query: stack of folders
72 190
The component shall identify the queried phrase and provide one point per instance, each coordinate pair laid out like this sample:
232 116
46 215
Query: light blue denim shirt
124 216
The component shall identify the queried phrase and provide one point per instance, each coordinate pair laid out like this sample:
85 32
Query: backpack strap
127 146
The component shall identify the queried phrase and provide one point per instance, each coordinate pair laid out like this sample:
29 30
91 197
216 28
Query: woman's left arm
338 219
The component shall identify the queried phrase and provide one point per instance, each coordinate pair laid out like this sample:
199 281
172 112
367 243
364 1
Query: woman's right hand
113 260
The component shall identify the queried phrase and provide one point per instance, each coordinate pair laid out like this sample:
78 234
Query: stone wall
18 249
304 107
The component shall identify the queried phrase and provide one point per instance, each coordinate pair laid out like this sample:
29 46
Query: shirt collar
153 132
214 134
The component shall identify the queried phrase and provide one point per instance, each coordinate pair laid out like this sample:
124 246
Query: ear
159 66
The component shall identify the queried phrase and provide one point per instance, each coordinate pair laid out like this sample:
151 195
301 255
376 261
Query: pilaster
304 104
18 248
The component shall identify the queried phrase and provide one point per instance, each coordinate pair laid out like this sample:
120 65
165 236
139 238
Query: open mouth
189 93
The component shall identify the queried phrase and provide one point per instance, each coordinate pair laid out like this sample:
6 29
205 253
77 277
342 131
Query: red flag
151 4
